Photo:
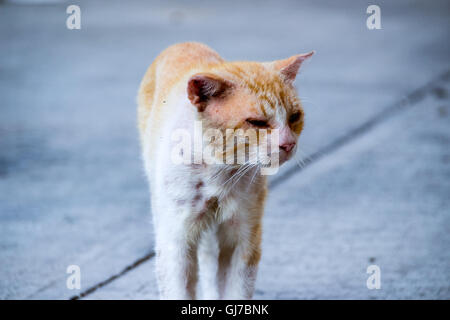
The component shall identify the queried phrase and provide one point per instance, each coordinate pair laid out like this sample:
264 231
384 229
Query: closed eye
258 123
294 117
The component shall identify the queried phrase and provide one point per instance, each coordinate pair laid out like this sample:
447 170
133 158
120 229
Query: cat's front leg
176 257
238 259
208 252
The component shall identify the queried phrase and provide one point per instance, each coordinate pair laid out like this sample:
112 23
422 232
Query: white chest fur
199 212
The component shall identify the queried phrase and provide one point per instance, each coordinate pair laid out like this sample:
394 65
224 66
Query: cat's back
166 71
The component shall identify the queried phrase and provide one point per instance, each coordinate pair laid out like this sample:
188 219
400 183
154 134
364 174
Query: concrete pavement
72 189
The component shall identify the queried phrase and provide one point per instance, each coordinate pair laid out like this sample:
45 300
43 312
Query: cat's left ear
289 67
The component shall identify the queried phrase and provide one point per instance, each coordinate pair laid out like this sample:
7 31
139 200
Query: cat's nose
287 146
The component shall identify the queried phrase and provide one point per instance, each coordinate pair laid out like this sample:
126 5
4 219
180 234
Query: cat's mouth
284 156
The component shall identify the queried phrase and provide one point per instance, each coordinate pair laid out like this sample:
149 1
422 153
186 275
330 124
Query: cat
207 216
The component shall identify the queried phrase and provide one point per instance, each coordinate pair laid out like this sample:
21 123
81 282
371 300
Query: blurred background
375 189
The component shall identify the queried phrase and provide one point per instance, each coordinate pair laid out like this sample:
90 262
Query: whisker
254 174
234 175
242 174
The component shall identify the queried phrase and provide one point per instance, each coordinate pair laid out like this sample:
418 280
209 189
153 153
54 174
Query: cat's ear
202 87
289 67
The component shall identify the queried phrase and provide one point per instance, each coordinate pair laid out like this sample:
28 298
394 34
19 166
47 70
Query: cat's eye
258 123
295 117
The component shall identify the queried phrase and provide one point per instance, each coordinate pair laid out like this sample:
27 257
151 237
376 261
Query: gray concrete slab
380 200
72 189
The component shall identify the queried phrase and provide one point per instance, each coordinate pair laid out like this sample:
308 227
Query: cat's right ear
203 87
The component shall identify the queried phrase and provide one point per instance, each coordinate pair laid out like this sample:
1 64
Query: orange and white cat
208 216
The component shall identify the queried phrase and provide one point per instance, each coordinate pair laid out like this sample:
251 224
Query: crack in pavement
409 100
127 269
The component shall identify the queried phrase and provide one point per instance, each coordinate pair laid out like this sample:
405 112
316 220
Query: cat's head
251 96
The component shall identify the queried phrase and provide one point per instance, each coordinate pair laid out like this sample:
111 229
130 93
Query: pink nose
287 146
